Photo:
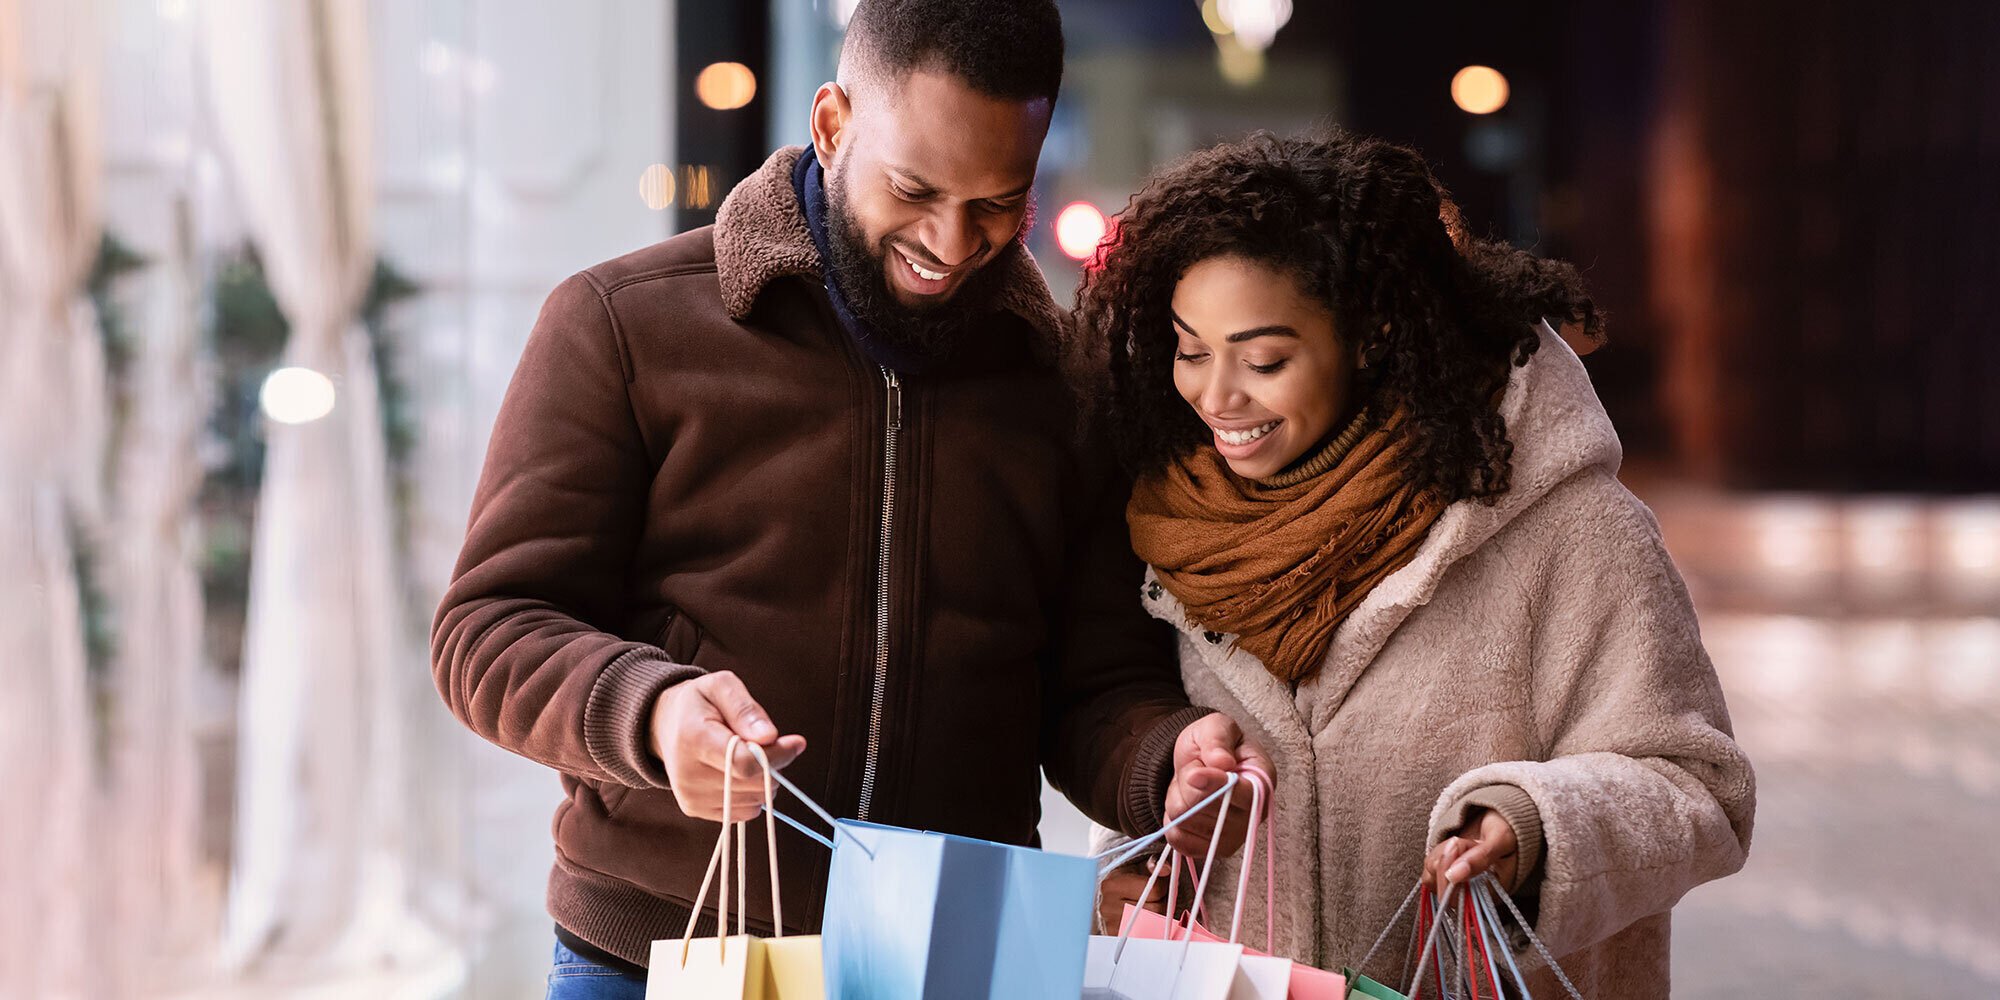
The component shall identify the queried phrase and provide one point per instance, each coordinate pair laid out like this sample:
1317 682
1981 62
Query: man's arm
1112 687
519 647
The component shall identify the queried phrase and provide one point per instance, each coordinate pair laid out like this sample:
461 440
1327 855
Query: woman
1378 497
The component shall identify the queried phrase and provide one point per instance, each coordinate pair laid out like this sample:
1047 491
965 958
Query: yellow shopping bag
738 965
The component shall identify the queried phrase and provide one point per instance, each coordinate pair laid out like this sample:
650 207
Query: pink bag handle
1168 857
1260 786
721 858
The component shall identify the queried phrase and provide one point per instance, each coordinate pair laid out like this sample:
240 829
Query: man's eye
908 195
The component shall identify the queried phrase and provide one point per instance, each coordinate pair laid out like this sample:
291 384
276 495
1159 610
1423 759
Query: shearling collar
761 236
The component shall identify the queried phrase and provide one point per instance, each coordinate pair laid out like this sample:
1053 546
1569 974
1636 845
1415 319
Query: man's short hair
1011 49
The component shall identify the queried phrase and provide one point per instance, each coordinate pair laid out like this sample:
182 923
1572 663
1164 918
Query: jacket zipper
892 428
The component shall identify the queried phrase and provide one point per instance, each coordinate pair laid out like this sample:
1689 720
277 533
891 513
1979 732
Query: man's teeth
921 273
1244 437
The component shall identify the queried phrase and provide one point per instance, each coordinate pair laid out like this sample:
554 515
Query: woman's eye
1184 356
1270 368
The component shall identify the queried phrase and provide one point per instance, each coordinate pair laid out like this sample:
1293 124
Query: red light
1080 227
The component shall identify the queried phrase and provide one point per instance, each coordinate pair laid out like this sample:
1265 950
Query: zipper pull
895 399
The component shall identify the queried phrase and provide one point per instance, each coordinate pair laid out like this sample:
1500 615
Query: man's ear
831 112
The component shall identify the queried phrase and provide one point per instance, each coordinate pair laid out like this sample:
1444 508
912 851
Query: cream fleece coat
1544 641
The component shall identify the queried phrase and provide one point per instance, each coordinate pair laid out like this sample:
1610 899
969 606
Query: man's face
929 181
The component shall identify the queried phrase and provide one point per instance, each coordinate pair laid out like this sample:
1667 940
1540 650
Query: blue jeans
573 977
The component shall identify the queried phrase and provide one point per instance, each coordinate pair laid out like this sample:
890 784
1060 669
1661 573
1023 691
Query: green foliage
246 338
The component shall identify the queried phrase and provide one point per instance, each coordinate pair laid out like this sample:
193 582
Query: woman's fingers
1472 861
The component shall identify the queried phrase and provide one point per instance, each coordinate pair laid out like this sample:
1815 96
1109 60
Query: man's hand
691 725
1485 843
1207 751
1124 886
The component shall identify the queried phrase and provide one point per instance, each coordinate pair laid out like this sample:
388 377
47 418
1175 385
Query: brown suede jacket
696 469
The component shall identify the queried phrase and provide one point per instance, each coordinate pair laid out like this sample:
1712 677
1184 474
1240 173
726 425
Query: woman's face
1260 363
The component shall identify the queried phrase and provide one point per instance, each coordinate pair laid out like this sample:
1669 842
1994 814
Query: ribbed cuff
616 717
1518 808
1152 768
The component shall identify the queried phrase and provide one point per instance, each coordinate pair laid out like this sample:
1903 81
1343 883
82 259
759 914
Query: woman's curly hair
1362 224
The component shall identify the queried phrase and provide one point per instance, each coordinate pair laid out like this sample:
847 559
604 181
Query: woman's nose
1220 394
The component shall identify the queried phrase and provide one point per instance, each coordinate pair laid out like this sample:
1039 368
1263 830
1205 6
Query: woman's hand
1124 886
1485 843
1208 750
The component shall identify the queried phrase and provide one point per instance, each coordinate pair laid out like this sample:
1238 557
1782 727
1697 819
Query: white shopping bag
1258 976
1160 970
1181 967
739 965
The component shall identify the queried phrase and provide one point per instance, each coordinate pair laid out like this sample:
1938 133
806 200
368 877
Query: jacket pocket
680 637
611 795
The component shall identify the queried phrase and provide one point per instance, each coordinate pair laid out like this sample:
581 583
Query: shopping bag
913 915
1158 969
739 965
1299 981
1463 951
1175 964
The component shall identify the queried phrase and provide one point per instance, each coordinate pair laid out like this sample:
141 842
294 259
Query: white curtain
51 429
317 879
163 910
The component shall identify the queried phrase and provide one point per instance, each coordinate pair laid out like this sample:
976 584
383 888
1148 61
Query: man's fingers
786 750
738 710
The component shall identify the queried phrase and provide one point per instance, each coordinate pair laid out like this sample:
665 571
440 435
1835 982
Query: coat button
1153 591
1212 637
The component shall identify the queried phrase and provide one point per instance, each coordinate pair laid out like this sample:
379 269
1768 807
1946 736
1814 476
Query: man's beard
933 332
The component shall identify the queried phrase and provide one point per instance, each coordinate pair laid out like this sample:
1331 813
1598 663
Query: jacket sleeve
521 648
1114 704
1643 794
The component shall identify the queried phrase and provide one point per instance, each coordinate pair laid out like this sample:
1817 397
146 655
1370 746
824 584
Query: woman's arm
1643 794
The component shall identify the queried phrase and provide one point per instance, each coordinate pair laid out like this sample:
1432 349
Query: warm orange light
656 186
725 85
1080 227
1479 90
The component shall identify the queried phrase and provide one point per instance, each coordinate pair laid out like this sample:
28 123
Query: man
811 476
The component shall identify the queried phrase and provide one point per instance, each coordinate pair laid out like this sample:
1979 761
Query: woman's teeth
922 273
1244 437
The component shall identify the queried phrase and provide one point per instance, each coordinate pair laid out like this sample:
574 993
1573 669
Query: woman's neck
1321 457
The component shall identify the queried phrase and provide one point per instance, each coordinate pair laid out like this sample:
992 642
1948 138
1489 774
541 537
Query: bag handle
1492 888
1167 858
720 858
1261 786
817 809
1132 849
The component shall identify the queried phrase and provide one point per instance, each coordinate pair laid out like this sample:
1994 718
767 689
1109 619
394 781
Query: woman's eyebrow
1274 330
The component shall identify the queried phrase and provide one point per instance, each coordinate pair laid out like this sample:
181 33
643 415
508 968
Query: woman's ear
831 111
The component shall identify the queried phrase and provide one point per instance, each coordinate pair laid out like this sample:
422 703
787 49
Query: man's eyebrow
917 179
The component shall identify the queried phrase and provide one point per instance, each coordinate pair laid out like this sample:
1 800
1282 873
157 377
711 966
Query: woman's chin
1261 466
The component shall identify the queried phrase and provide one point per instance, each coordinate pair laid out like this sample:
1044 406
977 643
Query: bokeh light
1479 90
656 186
296 395
725 86
1080 227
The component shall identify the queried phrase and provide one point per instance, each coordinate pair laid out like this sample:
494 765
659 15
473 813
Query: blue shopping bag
912 915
